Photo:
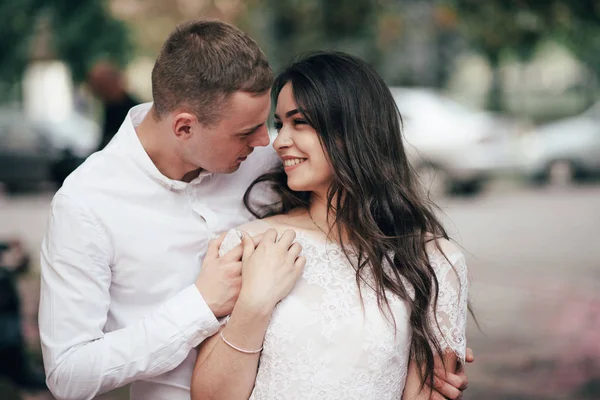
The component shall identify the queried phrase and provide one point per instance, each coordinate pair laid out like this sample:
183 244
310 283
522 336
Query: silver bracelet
237 348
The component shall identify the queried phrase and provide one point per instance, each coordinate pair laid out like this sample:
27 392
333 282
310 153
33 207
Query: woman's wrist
257 306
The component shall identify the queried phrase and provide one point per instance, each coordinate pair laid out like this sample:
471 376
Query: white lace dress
322 344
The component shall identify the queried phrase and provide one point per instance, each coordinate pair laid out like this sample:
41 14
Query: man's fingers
213 247
436 396
469 357
234 269
248 246
234 254
458 380
445 389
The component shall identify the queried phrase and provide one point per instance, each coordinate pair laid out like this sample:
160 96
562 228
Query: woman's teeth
293 161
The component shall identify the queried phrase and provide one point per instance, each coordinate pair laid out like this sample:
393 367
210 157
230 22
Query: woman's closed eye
296 122
299 121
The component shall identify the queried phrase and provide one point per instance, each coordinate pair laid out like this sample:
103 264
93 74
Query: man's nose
261 138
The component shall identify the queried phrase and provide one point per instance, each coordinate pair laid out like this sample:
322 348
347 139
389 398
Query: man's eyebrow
250 130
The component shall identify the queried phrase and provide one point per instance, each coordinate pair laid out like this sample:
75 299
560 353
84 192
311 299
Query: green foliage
495 27
298 26
15 29
578 27
85 32
80 33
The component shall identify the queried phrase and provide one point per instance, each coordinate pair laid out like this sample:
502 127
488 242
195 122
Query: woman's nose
283 139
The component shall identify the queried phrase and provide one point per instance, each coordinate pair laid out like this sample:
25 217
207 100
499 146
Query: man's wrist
191 314
209 302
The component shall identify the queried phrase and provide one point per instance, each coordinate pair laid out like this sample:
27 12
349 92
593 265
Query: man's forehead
246 111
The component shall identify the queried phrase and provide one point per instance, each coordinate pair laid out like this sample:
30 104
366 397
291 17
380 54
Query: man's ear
182 125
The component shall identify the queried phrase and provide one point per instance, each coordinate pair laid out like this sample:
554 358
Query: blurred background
499 102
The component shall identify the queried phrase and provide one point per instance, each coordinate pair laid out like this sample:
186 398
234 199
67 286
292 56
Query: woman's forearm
222 372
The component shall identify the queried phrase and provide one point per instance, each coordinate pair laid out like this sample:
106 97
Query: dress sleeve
449 318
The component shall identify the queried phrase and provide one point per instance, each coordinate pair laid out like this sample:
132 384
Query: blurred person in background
382 300
129 283
14 360
107 82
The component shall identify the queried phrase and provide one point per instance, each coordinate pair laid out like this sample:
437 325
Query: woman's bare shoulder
294 220
447 247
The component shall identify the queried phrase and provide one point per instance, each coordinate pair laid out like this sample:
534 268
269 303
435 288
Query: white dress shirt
118 264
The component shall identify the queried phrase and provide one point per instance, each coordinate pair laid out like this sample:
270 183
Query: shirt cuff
192 315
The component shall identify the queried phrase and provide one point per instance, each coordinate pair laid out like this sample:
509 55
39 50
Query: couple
346 288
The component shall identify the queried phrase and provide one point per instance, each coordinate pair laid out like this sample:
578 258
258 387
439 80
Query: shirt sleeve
449 318
81 361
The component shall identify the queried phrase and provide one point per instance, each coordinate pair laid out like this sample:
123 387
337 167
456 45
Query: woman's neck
322 216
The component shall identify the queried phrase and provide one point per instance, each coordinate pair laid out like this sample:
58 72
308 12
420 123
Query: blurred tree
151 21
577 26
446 42
495 26
85 31
409 42
15 32
295 27
80 33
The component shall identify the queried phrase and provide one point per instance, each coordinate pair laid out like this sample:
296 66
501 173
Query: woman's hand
270 271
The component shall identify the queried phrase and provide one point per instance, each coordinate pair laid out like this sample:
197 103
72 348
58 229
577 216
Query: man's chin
230 170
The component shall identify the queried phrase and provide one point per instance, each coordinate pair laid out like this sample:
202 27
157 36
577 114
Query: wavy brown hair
375 197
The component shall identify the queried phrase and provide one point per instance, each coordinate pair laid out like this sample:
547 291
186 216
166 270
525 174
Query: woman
382 299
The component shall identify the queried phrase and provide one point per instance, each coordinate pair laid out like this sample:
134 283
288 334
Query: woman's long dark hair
375 196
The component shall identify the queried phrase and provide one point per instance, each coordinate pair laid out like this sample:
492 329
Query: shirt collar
130 142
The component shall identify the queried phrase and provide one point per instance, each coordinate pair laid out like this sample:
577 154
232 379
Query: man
123 297
108 84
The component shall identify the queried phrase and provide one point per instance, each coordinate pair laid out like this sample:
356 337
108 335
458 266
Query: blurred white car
452 148
32 152
564 151
77 133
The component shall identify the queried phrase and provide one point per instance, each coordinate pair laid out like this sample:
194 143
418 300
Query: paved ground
535 270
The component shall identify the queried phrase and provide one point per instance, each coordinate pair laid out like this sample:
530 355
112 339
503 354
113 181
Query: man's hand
220 278
448 385
270 270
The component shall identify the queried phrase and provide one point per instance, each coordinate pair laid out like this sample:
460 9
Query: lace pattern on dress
323 343
451 310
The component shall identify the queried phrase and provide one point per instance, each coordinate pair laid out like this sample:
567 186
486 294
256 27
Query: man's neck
159 147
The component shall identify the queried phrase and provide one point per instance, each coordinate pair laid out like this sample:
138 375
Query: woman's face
297 144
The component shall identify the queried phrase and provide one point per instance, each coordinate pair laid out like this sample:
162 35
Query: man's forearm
154 345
